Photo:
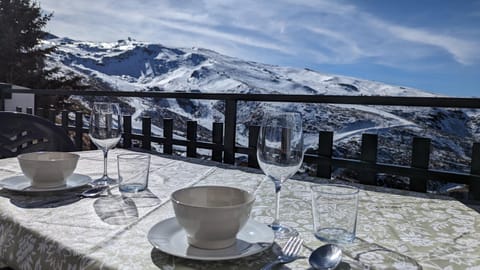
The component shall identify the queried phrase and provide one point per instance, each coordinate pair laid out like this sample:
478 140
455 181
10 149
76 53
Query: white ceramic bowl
212 215
48 169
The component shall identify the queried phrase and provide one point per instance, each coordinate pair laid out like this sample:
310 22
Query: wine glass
105 133
280 155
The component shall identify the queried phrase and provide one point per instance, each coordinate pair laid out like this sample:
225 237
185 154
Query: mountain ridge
129 65
153 65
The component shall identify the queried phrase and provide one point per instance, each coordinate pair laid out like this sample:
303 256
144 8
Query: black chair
24 133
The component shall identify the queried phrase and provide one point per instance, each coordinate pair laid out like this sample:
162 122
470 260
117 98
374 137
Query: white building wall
20 100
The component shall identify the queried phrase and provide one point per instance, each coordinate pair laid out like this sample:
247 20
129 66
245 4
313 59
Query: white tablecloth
395 228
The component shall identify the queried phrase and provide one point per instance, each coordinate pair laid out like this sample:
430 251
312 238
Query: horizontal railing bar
242 150
451 102
72 128
406 171
136 136
160 140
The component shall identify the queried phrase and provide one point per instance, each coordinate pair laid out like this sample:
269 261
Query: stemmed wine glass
280 155
105 133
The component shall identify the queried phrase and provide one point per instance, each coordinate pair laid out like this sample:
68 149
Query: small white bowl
48 169
212 215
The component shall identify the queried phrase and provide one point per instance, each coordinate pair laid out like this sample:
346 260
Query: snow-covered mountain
128 65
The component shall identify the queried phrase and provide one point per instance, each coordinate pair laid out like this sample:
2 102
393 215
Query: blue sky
431 45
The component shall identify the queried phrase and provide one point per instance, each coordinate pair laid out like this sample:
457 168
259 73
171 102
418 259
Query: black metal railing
224 148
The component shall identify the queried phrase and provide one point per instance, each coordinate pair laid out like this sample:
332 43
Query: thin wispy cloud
344 31
462 50
296 32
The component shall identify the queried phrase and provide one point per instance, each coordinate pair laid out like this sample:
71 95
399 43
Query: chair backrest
24 133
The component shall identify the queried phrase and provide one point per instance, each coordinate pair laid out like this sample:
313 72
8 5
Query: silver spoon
325 257
92 192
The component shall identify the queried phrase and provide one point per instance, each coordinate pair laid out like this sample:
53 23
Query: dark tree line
22 55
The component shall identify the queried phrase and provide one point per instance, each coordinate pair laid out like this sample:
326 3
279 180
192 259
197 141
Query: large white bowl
212 215
48 169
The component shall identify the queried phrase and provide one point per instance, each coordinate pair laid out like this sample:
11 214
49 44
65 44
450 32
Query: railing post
168 135
40 112
217 139
146 132
324 164
65 120
127 131
253 132
191 139
2 99
369 154
474 187
420 160
52 115
230 130
79 131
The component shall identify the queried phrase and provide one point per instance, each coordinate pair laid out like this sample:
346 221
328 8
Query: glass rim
132 155
348 189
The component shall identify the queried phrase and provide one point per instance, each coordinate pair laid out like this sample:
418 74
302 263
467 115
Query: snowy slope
129 65
132 65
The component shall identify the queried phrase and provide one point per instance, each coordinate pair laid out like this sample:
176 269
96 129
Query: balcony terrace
224 147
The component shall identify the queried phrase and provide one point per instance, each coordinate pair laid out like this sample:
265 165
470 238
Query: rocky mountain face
128 65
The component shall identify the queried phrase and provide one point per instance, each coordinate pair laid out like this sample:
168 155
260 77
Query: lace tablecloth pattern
396 229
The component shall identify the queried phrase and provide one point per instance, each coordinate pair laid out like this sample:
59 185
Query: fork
289 253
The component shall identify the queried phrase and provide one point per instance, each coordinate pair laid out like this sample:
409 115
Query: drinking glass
133 171
335 208
105 133
280 155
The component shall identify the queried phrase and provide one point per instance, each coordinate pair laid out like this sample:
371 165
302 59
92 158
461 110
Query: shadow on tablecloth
116 209
41 200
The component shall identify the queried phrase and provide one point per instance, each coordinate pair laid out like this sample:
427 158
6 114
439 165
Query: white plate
21 183
169 237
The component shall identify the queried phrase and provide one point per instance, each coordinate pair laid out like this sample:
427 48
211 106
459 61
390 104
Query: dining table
58 229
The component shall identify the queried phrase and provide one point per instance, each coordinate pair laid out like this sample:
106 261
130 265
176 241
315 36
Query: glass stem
105 155
276 221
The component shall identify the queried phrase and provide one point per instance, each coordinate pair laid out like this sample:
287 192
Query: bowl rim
68 156
251 197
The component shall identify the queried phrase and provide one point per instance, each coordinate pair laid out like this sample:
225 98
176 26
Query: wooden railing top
446 102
